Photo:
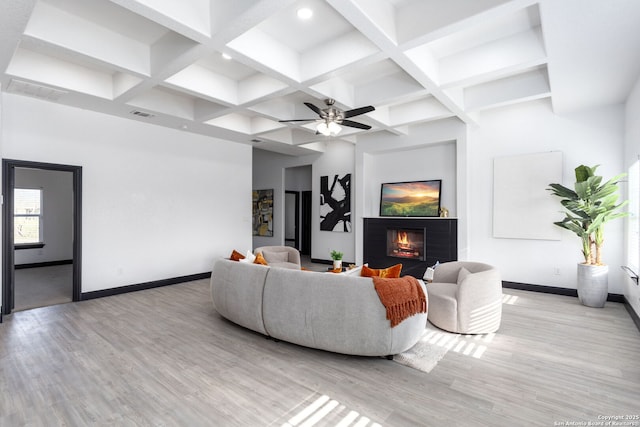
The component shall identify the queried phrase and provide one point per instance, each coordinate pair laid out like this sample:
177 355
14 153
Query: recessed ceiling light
226 56
305 13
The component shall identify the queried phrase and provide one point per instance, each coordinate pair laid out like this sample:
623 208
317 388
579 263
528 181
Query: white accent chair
280 256
465 297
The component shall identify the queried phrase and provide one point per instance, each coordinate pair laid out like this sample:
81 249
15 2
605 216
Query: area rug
430 349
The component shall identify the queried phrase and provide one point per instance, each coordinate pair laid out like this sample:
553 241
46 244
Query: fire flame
403 238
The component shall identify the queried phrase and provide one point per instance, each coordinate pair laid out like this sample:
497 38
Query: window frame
30 245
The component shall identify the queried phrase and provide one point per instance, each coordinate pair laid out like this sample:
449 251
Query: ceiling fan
331 118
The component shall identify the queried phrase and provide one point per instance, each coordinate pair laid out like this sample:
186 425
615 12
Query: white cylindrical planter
337 264
593 284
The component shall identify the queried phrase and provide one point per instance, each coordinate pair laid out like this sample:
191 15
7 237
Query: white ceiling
416 61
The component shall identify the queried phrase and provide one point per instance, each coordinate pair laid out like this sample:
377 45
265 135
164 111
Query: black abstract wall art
335 203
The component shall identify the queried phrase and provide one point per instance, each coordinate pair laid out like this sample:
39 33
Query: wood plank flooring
43 286
163 357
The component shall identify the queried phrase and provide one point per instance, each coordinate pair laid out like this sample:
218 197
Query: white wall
269 172
429 151
57 219
436 161
632 154
298 178
338 159
157 203
590 137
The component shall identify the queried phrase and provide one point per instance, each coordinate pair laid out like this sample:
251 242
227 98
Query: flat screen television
409 199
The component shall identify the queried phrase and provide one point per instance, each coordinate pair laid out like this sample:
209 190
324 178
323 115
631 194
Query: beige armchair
465 301
280 256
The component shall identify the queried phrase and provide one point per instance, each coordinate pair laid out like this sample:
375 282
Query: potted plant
588 208
336 256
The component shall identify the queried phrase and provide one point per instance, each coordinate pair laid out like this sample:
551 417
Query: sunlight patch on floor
468 345
322 408
509 299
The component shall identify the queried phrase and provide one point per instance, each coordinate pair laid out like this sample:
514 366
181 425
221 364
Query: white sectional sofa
334 312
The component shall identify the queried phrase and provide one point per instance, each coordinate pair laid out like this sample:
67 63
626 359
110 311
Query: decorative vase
593 284
337 264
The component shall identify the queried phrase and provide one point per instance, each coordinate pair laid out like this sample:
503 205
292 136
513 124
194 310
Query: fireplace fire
406 243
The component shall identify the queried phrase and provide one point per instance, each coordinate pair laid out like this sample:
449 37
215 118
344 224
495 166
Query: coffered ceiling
415 61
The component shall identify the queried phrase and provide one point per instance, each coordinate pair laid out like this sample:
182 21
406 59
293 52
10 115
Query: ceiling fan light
334 128
323 129
328 128
305 13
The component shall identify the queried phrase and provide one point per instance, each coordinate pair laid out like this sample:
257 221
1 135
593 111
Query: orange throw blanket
402 297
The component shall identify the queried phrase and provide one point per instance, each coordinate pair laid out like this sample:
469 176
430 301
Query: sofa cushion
275 257
389 272
443 305
260 259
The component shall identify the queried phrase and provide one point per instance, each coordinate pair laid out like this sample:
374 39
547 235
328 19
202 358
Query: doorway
15 181
305 220
292 219
297 209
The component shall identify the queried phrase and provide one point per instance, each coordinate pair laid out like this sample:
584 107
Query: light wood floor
163 357
43 286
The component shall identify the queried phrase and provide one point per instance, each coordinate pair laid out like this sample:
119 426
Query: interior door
291 219
305 223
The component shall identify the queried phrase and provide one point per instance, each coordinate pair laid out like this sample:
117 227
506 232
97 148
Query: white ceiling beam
520 50
187 17
200 80
15 16
60 74
527 86
440 19
162 101
57 27
352 12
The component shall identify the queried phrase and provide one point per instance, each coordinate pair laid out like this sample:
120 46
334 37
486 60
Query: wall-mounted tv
414 198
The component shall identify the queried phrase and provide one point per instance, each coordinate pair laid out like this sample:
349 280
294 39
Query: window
27 218
633 220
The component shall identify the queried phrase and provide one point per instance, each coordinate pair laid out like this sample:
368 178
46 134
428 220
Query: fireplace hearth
406 243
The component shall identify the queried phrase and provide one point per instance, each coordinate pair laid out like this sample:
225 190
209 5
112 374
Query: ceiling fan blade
355 124
358 111
297 120
313 107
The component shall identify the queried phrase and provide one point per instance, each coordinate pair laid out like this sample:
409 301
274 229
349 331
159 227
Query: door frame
8 256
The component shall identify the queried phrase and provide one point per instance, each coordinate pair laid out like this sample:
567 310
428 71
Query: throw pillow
249 257
260 259
274 257
389 272
463 274
236 256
